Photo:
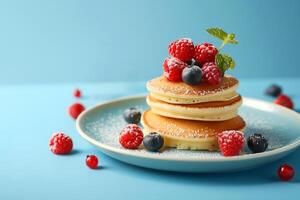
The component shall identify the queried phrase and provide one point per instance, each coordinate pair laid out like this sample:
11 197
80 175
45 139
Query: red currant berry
285 172
75 110
92 161
77 93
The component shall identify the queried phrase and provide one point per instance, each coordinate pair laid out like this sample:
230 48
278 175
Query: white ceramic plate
101 125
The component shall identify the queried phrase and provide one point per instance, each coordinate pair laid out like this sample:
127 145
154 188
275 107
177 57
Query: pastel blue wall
116 40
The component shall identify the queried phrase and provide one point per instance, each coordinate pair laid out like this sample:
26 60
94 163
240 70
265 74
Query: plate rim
133 153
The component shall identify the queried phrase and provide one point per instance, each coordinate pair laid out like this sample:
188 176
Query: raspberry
77 93
60 143
165 65
91 161
205 52
211 73
183 49
131 136
231 142
173 68
75 110
284 101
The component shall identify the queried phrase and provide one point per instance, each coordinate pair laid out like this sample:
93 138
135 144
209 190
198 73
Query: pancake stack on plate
190 117
194 100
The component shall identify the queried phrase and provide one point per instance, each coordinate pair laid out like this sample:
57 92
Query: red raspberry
75 110
60 143
205 52
183 49
211 73
165 65
91 161
131 136
285 172
231 142
284 101
77 93
173 68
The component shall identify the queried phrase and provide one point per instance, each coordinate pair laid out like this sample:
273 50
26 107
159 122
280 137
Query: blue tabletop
28 170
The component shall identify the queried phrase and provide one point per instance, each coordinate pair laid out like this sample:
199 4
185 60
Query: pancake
182 93
189 134
209 111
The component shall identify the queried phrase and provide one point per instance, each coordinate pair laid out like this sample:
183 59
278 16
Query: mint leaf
218 33
220 62
224 62
229 62
231 39
223 36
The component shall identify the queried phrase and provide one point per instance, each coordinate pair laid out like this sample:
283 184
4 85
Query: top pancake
182 93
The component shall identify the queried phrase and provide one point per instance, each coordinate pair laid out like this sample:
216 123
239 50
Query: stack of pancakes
190 117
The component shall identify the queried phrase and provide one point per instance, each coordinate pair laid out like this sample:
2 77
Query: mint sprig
223 61
223 36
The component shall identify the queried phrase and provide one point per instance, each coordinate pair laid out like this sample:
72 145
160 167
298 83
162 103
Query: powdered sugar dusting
161 85
104 125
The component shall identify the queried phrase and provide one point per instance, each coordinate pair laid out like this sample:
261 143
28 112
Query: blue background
68 42
76 40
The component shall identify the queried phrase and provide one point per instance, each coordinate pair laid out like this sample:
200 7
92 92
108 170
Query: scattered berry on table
231 142
75 110
205 52
183 49
192 75
131 136
91 161
60 143
285 101
77 93
173 68
153 141
257 143
273 90
211 73
285 172
132 116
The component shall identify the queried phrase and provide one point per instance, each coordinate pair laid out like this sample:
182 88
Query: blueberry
273 90
192 75
153 141
257 143
132 116
193 62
